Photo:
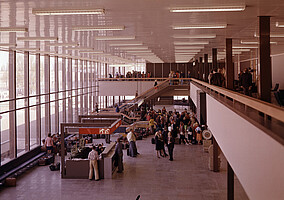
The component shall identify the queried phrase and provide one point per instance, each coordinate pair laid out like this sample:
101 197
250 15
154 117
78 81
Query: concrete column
229 65
230 182
265 59
206 67
201 70
47 92
214 58
215 156
38 100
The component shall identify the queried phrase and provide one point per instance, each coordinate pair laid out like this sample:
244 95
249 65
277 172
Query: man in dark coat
217 78
246 82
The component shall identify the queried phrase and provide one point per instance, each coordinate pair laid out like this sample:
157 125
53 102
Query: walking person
171 143
94 157
132 146
246 82
119 155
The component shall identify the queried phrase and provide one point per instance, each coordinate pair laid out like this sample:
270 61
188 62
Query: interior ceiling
149 21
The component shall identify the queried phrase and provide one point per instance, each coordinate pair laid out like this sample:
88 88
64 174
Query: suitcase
153 140
42 161
52 167
55 167
10 182
127 151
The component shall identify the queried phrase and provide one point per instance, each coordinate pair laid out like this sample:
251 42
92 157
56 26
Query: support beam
215 156
201 70
230 182
229 65
56 87
214 59
27 102
195 69
206 67
265 59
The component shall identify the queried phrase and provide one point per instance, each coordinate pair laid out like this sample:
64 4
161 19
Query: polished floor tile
187 177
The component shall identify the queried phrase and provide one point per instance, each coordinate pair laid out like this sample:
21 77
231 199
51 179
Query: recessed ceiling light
272 35
254 42
7 45
99 28
13 29
121 65
209 9
90 11
79 48
189 47
279 25
245 47
201 36
139 51
37 38
91 51
63 44
126 43
133 48
191 43
205 26
114 37
27 49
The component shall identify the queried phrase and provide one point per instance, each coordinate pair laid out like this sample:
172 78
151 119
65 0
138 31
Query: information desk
79 168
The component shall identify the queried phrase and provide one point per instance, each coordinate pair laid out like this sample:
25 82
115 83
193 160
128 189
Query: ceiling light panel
63 44
209 9
79 48
90 11
279 25
99 28
205 26
133 48
37 38
272 35
245 47
189 47
13 29
201 36
7 45
126 43
114 38
191 43
90 51
254 42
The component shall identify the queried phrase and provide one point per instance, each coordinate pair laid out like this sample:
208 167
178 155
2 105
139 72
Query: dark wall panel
158 70
166 70
173 67
150 68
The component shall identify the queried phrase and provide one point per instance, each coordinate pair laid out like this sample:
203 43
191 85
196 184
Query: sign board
101 131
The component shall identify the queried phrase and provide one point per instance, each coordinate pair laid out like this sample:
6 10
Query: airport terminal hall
142 100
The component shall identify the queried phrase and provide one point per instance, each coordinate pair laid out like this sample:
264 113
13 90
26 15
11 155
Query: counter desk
79 168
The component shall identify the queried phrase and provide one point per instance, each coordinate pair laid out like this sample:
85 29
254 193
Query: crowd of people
170 127
133 74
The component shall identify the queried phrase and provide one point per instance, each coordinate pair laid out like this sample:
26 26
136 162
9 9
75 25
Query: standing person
49 143
116 108
171 143
132 146
159 143
218 78
171 75
97 107
181 76
119 155
94 157
210 76
246 82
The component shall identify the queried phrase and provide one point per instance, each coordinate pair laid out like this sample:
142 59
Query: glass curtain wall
24 131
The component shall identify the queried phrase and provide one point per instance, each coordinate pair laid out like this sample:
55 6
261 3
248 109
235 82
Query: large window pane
5 138
21 134
4 75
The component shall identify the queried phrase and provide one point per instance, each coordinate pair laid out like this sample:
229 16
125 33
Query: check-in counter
79 168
